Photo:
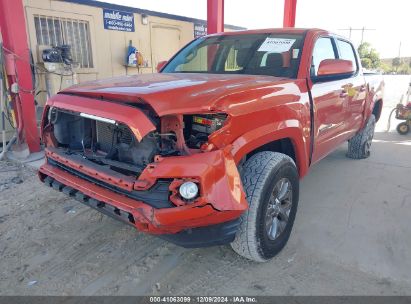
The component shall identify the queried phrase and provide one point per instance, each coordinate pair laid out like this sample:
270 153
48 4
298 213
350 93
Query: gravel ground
352 237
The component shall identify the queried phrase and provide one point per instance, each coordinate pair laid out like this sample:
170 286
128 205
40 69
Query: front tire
271 184
403 128
359 146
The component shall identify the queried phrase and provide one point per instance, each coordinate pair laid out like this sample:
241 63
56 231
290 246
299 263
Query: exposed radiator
105 135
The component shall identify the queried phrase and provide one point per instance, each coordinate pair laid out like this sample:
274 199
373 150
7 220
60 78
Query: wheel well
283 145
377 109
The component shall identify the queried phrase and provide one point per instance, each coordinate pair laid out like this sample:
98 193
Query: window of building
57 31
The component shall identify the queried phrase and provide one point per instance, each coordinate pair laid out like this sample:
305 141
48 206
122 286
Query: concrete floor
352 236
358 213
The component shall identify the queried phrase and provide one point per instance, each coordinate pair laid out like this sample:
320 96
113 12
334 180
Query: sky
389 21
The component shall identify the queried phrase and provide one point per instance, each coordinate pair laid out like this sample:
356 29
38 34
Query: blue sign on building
118 20
200 29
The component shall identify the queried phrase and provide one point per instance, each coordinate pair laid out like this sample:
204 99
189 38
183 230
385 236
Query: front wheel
271 184
403 128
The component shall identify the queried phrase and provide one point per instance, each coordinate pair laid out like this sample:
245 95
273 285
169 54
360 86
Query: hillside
404 68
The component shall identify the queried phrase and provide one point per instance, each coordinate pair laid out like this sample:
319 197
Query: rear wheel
271 184
403 128
360 145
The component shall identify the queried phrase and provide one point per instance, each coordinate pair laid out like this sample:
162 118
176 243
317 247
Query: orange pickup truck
210 150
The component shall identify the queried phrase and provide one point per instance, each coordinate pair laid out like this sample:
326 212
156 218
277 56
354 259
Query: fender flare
377 95
369 108
291 129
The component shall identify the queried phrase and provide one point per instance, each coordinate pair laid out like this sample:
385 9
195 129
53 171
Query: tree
396 63
385 67
366 63
404 69
370 59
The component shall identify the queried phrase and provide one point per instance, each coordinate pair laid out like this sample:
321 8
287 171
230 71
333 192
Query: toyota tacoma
211 149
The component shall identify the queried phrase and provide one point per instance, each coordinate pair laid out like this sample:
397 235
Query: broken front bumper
217 209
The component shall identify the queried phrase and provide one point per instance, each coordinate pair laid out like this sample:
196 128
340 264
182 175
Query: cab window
346 52
323 49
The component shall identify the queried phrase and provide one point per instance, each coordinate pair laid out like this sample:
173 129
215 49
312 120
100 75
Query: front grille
103 207
157 196
105 135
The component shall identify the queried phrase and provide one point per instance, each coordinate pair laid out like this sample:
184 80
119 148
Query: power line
363 29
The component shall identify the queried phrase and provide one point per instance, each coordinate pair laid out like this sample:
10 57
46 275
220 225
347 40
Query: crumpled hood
171 93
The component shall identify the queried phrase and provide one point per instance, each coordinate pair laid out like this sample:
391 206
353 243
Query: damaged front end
125 161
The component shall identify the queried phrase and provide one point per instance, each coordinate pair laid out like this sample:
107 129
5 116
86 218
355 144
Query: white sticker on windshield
276 45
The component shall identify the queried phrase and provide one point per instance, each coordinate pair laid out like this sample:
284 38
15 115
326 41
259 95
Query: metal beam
215 16
13 30
290 9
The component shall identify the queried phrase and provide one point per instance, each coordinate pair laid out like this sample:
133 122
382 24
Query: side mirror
335 67
160 65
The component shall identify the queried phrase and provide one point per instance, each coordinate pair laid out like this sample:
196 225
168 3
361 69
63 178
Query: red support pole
290 9
14 35
215 16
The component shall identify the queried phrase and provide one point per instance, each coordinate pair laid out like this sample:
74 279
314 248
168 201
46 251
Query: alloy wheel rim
278 209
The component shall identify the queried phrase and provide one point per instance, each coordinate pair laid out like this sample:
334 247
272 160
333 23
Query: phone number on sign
119 23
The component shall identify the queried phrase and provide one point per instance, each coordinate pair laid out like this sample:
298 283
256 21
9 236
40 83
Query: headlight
188 190
208 123
199 126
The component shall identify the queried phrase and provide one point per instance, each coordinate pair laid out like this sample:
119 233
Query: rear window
253 54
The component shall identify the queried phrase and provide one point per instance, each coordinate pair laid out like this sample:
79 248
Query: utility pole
362 34
349 30
363 30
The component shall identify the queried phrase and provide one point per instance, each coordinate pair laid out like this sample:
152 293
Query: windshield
251 54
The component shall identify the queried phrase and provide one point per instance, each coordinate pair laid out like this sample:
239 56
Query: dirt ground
352 236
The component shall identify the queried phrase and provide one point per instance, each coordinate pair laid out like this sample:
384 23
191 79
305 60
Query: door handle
343 94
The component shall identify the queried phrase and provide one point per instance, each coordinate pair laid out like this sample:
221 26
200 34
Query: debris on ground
11 174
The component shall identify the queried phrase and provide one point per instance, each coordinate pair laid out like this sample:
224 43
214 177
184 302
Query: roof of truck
284 30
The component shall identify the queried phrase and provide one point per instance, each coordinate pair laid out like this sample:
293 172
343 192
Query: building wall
157 41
